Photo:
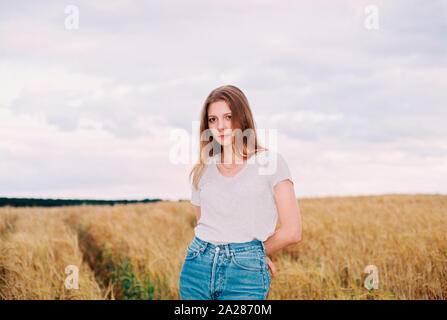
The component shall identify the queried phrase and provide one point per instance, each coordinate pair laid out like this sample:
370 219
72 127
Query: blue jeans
234 271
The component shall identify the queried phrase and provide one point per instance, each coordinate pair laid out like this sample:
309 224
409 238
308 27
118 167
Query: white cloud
329 168
21 76
39 159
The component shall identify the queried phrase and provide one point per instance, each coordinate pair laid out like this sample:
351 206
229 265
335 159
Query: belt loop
263 247
228 251
202 250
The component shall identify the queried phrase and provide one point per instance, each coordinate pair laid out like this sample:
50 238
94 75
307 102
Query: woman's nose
221 126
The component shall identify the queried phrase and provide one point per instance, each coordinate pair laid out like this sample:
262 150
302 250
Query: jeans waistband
233 246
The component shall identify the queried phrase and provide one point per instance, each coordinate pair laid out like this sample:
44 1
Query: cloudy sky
87 110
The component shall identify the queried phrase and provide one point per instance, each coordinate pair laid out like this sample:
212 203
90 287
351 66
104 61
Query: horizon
187 199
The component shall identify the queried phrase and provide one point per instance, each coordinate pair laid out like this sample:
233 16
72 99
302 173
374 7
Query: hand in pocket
271 266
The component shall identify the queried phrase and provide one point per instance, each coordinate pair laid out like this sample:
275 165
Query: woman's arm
197 212
289 216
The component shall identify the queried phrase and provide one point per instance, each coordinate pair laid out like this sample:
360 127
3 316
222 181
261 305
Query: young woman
239 189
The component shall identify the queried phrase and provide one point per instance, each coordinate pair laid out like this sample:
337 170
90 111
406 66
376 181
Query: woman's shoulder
271 162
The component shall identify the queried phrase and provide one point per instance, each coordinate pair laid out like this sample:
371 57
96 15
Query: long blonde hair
241 118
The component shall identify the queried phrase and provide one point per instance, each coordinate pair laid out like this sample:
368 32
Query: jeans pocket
266 265
191 253
247 260
265 275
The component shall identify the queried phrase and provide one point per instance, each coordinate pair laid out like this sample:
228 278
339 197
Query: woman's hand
271 266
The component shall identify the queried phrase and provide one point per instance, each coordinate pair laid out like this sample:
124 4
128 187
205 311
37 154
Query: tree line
37 202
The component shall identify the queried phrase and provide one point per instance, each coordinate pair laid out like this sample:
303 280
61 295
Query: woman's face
219 122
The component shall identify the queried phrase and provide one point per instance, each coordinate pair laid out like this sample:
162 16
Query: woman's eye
211 119
229 117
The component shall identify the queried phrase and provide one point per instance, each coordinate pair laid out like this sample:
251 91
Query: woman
239 190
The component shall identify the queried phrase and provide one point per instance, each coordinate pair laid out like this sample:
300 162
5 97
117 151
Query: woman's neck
230 157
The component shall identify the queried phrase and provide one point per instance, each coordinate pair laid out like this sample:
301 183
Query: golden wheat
34 253
135 251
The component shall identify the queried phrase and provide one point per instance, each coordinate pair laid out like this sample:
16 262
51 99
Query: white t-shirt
239 208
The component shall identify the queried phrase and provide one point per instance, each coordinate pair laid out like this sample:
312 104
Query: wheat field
135 251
